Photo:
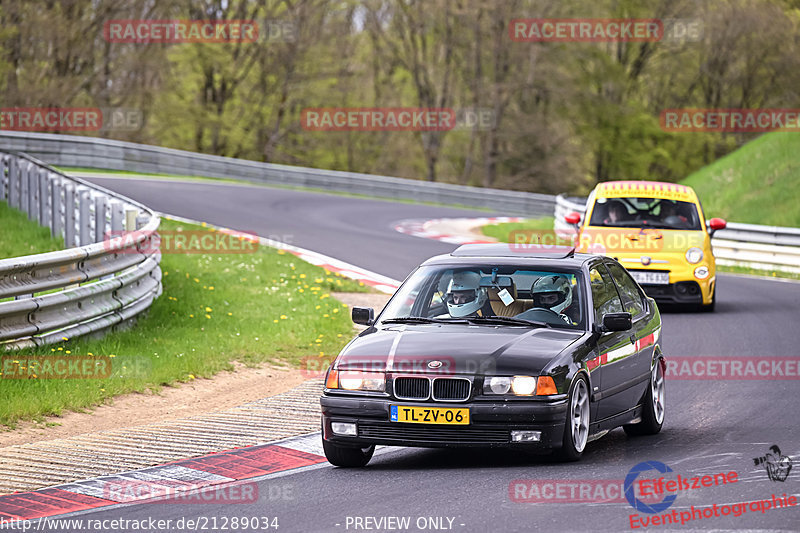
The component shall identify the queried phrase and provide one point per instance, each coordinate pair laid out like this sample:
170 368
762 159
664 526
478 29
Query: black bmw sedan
499 345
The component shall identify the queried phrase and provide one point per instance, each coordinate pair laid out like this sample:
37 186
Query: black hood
458 349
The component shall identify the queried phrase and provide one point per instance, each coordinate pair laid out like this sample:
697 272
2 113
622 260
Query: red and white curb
196 480
372 279
430 229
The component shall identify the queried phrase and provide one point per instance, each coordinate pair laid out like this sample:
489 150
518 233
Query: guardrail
91 286
76 151
745 245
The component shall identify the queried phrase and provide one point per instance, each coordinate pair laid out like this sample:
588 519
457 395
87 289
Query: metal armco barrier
92 286
76 151
745 245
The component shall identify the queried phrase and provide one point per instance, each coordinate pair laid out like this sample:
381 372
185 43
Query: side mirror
617 322
716 224
363 315
573 218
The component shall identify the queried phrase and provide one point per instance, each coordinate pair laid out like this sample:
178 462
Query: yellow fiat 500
658 232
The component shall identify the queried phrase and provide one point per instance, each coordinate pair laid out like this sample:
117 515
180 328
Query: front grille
408 388
428 433
451 389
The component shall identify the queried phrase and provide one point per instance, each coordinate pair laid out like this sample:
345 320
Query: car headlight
701 272
694 255
497 385
518 385
356 380
523 385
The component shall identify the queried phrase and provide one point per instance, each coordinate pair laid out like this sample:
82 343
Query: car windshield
645 212
512 296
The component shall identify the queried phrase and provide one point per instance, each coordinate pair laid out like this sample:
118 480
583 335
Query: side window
436 305
632 298
604 294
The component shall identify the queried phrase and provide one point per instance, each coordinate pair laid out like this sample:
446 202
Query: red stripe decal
46 502
252 462
242 463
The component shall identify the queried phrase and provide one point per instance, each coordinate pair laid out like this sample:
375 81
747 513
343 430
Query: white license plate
650 278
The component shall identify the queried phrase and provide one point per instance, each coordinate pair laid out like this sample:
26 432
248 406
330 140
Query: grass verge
759 183
19 236
267 306
503 231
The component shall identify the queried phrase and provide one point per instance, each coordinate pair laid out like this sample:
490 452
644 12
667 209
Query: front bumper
683 287
681 292
491 423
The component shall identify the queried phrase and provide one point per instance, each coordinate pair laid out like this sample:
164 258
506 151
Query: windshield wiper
421 320
508 320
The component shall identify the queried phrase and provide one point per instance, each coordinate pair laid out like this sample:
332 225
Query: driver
616 213
466 297
553 292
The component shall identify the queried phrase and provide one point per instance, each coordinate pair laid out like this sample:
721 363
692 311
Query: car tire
576 429
654 408
347 457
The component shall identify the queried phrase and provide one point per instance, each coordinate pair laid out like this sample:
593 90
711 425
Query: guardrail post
100 204
84 219
44 198
56 199
117 215
4 175
13 181
23 187
69 216
130 219
33 194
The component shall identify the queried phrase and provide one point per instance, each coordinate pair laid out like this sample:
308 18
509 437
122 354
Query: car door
633 302
609 366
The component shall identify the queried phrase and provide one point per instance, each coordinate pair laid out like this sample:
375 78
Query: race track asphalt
712 426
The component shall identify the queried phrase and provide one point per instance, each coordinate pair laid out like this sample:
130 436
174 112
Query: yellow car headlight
694 255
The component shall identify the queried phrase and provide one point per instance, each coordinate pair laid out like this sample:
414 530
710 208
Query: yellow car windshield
627 212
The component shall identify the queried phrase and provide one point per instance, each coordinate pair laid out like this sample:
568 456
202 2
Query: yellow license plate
429 415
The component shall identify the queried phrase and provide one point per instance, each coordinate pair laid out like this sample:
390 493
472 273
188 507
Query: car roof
646 189
504 253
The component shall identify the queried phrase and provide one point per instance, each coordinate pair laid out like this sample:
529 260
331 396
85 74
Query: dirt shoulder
225 390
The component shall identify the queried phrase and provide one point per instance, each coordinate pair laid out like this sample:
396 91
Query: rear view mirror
617 321
363 315
716 224
573 218
504 282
